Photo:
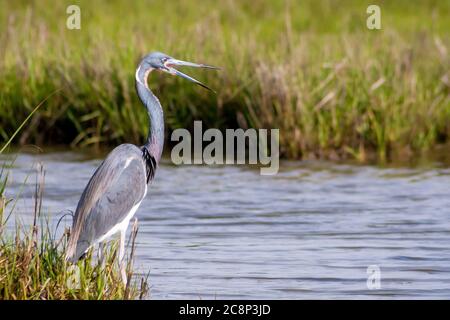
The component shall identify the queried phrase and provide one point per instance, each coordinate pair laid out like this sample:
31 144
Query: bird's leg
122 266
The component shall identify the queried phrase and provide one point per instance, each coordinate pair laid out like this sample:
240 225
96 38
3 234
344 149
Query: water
309 232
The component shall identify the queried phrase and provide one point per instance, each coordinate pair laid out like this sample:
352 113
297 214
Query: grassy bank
312 69
32 263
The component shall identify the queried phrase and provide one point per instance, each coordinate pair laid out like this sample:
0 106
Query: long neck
155 139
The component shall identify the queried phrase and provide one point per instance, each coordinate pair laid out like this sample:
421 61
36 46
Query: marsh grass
32 259
312 69
32 264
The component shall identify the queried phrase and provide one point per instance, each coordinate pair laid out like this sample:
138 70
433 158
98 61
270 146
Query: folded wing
118 185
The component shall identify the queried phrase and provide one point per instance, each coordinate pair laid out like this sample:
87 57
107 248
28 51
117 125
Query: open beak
170 63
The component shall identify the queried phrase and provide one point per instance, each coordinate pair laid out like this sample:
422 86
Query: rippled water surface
309 232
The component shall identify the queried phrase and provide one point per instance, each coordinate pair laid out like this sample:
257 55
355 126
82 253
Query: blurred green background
335 89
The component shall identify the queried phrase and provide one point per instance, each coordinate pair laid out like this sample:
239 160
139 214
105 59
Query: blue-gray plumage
118 186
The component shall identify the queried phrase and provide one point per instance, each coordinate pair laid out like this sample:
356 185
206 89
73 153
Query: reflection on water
309 232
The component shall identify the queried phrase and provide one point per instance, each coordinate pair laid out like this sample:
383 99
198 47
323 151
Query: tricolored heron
118 186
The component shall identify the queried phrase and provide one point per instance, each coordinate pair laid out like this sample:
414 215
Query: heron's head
162 62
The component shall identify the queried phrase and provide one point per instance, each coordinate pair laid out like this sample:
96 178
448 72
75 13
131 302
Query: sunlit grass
310 68
33 266
32 259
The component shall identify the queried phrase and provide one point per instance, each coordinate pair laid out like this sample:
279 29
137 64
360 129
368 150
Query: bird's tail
71 249
73 254
74 244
